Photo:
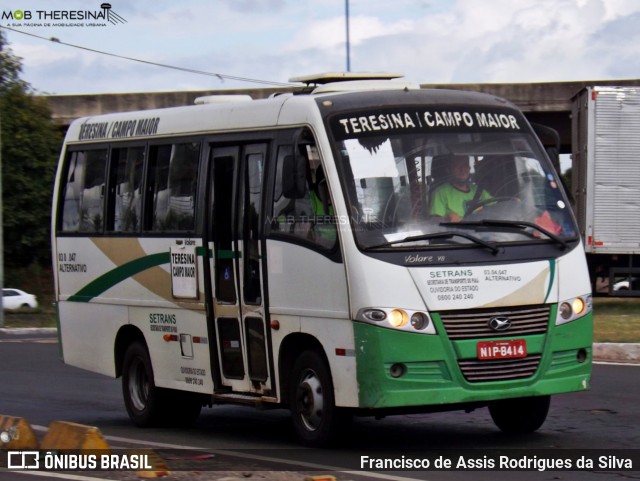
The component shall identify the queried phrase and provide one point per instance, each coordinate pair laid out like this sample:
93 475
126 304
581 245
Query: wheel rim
310 400
139 385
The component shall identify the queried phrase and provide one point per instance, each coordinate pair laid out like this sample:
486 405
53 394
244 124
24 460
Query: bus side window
83 192
125 186
301 205
171 187
254 170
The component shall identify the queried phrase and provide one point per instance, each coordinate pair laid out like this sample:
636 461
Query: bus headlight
396 318
419 321
573 309
375 315
565 311
579 306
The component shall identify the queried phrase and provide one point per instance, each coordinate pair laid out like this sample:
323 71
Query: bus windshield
421 189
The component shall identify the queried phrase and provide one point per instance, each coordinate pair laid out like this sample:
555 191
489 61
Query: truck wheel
315 417
520 416
143 400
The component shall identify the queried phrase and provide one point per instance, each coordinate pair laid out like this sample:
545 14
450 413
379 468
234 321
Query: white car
15 299
621 286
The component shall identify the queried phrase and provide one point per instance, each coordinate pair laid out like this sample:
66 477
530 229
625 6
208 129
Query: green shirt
324 229
448 199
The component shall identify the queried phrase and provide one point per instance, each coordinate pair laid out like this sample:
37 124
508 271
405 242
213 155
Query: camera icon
23 460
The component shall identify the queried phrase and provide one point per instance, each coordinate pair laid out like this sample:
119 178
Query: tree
30 145
10 67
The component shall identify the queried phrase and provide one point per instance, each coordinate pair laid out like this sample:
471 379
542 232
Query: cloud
431 41
329 33
506 41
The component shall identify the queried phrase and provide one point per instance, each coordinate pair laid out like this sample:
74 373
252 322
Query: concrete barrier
16 433
66 435
617 352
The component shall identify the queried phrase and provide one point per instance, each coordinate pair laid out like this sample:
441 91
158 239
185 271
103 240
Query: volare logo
101 17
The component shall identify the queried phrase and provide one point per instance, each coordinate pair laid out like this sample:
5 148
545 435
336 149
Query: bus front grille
475 370
474 323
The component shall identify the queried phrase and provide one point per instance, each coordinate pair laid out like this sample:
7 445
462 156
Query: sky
429 41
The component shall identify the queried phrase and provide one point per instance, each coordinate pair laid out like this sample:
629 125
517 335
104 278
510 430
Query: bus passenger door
242 348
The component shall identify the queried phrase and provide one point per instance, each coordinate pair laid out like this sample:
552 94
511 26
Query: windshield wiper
438 235
518 224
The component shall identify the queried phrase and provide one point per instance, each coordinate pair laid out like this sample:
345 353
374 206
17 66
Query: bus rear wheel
316 419
149 405
521 415
141 396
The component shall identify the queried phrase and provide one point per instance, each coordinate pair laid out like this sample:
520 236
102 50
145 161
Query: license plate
508 349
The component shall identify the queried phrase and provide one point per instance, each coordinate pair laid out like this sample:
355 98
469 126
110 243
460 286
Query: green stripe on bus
227 254
119 274
552 273
123 272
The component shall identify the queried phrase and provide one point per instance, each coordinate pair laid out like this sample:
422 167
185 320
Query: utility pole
346 3
1 235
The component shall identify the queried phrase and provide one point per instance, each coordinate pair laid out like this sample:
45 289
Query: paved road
36 385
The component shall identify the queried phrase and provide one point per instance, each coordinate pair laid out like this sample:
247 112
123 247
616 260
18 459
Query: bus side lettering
119 129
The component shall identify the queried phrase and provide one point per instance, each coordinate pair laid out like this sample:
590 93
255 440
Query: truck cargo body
606 181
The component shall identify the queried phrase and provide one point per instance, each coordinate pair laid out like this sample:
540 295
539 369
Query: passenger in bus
451 200
324 227
319 194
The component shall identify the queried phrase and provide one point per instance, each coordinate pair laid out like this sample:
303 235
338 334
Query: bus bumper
401 369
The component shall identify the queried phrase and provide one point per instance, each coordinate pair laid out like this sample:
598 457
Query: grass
36 280
43 316
616 319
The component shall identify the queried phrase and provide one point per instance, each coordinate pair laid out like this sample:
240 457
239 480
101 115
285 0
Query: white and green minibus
300 252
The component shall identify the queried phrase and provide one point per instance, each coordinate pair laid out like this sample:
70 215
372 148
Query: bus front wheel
316 419
520 416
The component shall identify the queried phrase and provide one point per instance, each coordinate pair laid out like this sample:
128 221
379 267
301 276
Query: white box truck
606 183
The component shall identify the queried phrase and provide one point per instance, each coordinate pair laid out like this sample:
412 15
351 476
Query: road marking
256 457
49 474
39 340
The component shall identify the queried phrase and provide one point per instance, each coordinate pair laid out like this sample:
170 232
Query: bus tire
315 417
520 416
143 400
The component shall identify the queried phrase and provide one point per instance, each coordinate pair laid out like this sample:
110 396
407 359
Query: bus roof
278 111
329 77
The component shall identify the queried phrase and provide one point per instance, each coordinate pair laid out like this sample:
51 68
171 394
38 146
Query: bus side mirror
294 177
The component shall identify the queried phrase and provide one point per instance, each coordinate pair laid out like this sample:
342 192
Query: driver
451 200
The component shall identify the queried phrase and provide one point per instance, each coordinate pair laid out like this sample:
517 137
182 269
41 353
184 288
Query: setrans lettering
159 318
119 129
160 322
451 274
